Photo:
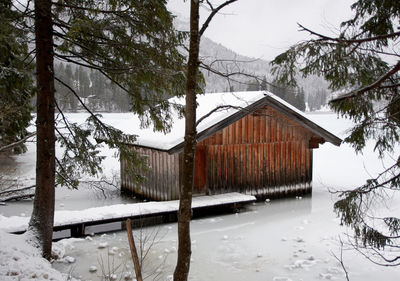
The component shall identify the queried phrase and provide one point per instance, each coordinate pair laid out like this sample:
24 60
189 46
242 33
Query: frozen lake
287 239
290 238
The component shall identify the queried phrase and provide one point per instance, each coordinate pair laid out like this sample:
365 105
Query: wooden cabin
259 145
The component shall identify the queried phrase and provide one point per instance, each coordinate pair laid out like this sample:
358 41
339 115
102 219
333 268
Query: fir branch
370 87
345 41
92 10
17 143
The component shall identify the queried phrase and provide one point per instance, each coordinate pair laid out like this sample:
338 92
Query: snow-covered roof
240 104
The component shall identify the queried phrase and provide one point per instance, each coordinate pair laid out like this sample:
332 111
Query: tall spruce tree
16 79
364 60
132 43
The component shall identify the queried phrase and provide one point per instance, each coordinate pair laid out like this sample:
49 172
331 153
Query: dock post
78 230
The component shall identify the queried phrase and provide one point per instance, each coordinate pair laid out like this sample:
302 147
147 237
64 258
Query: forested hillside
99 94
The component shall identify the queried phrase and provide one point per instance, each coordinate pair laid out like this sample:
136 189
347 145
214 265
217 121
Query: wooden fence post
134 254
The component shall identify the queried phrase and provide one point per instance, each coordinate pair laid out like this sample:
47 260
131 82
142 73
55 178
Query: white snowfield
19 223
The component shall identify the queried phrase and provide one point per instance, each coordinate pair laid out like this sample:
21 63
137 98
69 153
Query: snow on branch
14 144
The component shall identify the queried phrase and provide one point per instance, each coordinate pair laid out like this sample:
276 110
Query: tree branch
374 85
218 108
340 259
17 190
214 11
349 41
14 144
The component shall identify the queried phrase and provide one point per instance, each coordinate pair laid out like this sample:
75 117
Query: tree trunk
42 219
185 202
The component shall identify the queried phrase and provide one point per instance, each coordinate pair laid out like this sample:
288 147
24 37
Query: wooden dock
112 218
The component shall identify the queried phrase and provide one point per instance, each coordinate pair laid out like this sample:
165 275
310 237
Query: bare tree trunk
42 219
185 203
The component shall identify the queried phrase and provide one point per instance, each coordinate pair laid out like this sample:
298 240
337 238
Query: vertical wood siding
263 154
161 179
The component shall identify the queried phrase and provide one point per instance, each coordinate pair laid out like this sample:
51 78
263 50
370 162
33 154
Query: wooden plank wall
262 154
162 178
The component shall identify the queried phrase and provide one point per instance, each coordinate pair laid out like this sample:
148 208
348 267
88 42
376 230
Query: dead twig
340 259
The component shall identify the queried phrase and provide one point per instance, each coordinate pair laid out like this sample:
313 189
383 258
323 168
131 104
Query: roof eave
266 100
329 137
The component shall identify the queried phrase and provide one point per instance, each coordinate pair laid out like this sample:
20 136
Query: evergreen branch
82 103
23 13
65 178
78 97
14 144
214 11
104 58
372 86
94 116
29 56
68 59
92 10
65 122
389 262
363 190
341 40
122 87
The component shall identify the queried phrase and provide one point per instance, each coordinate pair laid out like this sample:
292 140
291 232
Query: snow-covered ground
287 239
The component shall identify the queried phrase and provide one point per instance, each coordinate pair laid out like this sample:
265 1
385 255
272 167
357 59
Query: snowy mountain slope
225 60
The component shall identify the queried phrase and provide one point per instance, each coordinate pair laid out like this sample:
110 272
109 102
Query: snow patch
279 278
19 260
304 264
102 245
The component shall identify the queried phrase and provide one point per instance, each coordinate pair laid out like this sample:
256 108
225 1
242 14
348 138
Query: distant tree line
317 99
293 95
98 93
101 94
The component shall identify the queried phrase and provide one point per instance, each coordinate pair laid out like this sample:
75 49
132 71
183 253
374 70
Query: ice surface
269 230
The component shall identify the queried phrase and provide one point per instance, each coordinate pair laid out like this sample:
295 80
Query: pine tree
264 84
132 43
300 99
16 79
82 77
364 60
253 85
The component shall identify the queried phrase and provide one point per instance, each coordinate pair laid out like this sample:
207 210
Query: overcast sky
265 28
